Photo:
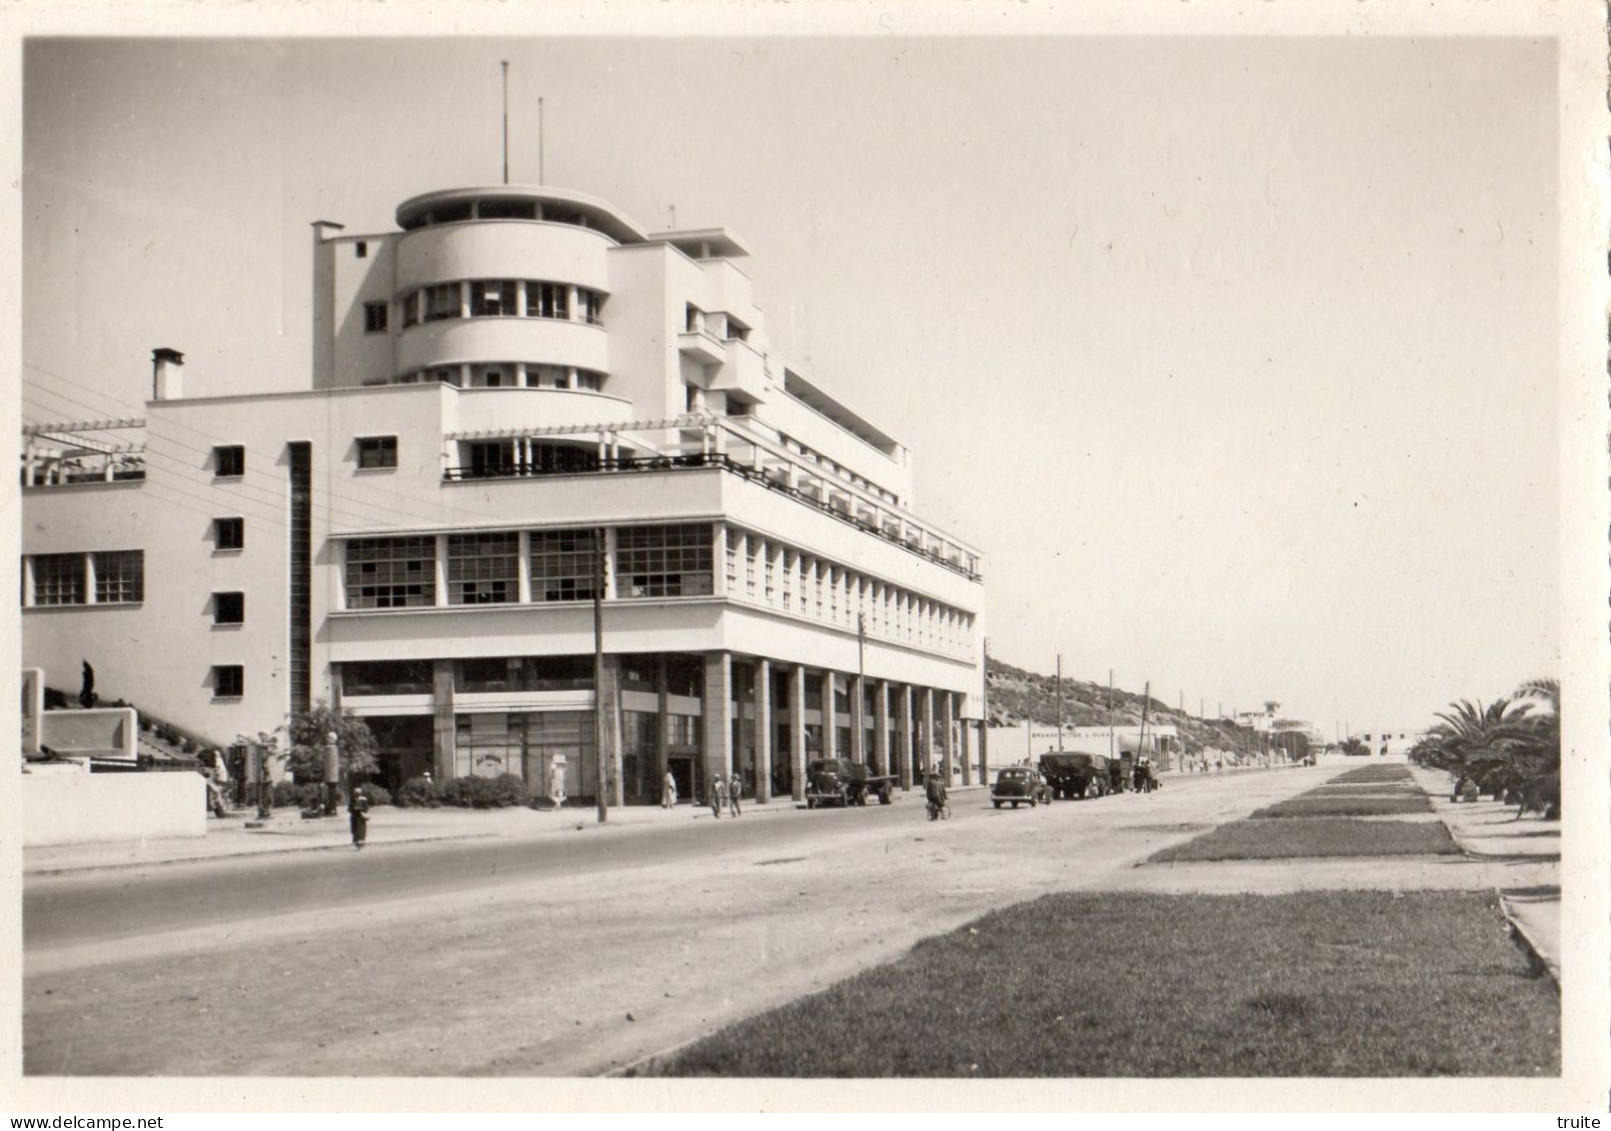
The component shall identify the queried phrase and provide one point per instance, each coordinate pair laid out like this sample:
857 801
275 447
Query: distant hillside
1017 696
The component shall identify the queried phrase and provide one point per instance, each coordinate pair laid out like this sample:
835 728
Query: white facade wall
97 808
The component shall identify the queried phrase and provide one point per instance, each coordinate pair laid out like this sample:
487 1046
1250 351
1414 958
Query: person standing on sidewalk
718 795
358 815
735 790
668 792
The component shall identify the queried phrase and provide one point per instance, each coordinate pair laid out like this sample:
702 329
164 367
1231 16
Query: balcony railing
628 464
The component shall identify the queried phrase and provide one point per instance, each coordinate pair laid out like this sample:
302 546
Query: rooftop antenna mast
505 66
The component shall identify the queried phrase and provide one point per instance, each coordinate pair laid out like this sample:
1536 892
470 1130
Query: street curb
1535 956
121 865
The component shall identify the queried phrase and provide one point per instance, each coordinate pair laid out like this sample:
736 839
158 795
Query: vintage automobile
1020 784
839 781
1071 774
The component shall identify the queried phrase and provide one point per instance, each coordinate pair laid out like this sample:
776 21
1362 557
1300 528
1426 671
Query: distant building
516 401
1384 743
1030 740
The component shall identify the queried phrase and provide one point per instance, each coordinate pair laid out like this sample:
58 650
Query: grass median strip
1313 836
1335 805
1123 984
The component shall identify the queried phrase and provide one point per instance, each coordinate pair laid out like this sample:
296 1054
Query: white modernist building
517 400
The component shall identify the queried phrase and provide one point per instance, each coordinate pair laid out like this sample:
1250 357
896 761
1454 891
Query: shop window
387 677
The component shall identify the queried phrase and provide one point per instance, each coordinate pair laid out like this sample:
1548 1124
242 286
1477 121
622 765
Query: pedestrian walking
735 790
358 815
718 795
668 792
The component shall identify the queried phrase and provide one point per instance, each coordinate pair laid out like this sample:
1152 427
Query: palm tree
1511 748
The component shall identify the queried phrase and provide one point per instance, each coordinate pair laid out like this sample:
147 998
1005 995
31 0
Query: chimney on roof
167 383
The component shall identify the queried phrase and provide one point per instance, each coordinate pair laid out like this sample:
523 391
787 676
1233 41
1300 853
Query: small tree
1354 748
308 733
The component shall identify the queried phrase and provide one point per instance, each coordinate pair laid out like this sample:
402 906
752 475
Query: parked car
1020 784
1071 774
838 781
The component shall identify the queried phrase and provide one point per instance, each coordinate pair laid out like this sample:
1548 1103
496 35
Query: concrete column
903 744
89 579
761 705
523 582
609 699
797 750
570 303
522 306
858 718
441 570
718 558
611 589
442 716
881 761
718 700
830 717
662 743
943 729
925 754
964 728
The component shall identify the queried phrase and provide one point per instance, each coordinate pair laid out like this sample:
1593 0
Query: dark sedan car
1020 784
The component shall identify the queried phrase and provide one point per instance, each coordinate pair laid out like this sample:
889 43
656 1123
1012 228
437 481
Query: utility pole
858 715
1060 702
598 673
1110 713
984 719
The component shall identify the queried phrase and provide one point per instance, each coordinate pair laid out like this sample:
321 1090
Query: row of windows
659 561
229 460
484 568
480 674
783 577
489 298
66 579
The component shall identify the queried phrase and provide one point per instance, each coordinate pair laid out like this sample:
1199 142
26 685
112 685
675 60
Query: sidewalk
1525 851
286 832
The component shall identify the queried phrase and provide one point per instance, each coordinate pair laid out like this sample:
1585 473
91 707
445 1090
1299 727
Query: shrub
485 793
305 796
418 793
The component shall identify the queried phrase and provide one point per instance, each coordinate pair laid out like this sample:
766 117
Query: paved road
542 957
128 903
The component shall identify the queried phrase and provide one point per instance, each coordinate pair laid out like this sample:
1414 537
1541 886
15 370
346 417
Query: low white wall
84 808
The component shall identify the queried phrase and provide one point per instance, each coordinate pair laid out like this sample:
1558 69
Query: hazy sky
1237 357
